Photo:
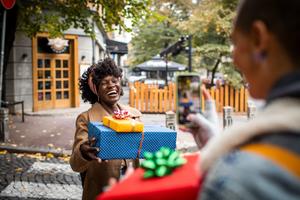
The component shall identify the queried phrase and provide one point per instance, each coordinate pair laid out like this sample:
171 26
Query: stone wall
18 76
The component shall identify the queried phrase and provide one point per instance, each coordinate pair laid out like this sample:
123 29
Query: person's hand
205 126
113 181
128 172
88 151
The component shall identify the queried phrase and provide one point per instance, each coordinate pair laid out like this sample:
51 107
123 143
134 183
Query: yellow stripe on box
123 125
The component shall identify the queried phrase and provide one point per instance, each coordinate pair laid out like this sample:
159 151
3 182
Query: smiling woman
100 85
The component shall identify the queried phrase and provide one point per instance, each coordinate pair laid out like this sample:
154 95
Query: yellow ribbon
133 125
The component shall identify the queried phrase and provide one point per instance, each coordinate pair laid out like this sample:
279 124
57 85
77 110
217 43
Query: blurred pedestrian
100 85
259 159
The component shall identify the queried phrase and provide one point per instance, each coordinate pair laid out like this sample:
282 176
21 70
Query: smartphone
188 97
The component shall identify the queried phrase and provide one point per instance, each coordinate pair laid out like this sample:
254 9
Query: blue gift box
115 145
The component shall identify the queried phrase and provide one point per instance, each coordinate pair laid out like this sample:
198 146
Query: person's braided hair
98 71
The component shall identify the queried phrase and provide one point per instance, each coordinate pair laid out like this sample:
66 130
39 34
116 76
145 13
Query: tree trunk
214 72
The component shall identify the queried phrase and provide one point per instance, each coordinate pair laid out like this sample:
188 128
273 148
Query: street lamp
177 47
190 52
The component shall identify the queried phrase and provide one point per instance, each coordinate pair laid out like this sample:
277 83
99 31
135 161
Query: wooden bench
8 104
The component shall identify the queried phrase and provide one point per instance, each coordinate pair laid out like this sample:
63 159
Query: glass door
55 73
62 75
44 83
53 81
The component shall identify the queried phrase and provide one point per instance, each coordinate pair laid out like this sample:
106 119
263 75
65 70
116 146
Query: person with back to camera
100 85
259 159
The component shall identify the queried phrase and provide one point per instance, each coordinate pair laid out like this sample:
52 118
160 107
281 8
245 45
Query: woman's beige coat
97 174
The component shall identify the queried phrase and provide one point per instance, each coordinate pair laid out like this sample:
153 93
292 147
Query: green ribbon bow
161 163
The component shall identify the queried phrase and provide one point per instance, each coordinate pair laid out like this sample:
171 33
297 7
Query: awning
159 64
116 47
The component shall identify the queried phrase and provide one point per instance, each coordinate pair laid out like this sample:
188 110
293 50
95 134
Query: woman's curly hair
98 71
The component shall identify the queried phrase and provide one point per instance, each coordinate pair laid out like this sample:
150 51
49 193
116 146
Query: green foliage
229 4
154 35
211 25
152 39
231 76
56 16
212 52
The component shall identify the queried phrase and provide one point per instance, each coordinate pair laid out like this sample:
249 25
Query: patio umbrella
159 64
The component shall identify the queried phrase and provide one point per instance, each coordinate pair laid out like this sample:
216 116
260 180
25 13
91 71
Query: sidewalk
53 131
33 176
44 176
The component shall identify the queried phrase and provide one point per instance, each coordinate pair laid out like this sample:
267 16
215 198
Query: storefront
55 69
44 73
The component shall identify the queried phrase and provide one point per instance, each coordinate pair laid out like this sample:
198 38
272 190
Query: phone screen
188 97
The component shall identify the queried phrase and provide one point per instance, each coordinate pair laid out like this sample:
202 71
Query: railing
151 99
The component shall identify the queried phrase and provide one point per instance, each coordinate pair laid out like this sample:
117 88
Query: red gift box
183 183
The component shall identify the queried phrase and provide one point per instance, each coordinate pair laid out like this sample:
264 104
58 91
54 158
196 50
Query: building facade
47 78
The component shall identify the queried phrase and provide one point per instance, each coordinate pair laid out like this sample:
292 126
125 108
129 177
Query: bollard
170 120
251 111
4 135
227 116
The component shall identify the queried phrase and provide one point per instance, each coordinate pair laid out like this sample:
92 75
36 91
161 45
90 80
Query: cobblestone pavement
25 176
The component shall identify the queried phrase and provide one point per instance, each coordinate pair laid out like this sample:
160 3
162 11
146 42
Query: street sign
8 4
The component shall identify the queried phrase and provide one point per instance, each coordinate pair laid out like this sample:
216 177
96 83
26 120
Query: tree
150 40
56 16
156 34
210 25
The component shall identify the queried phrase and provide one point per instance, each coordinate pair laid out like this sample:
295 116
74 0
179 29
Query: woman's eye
115 80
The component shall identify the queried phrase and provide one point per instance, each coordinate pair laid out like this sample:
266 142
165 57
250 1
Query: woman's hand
88 151
204 126
112 181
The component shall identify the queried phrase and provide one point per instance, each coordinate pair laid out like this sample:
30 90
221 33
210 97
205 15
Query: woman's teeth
112 93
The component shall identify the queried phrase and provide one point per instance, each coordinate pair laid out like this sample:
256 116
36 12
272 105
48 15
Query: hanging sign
58 45
8 4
